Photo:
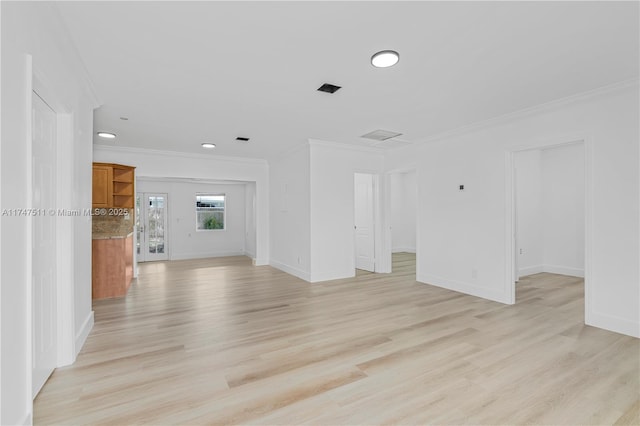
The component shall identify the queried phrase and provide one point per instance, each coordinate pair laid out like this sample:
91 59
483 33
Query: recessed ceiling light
106 135
208 145
385 58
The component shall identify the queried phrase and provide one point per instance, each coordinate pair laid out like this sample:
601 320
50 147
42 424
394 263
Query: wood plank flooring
219 341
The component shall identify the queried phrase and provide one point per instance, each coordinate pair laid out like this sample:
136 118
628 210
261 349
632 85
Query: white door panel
151 221
364 222
43 272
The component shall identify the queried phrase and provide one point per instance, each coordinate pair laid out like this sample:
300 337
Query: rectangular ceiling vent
328 88
242 139
381 135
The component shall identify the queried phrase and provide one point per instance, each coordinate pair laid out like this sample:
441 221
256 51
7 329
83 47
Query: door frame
65 302
510 220
378 221
386 248
143 213
373 224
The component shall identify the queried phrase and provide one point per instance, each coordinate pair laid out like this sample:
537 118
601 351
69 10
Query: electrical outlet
520 251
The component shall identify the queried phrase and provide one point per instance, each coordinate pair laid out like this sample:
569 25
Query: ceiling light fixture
106 135
208 145
385 59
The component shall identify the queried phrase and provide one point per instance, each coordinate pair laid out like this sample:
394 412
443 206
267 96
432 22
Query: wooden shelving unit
113 185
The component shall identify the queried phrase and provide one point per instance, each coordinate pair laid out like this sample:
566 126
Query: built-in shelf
113 185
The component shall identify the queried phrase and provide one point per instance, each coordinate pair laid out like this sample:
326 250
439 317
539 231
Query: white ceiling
191 72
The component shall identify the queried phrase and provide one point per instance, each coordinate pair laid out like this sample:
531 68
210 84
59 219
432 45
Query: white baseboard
530 270
611 323
461 287
304 275
552 269
564 270
260 261
83 333
186 256
332 275
403 250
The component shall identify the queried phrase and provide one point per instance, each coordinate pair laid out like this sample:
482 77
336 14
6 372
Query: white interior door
364 222
151 222
43 272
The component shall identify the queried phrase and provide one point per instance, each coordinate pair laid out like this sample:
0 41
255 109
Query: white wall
332 207
463 236
183 241
403 212
563 194
35 29
290 214
162 164
250 219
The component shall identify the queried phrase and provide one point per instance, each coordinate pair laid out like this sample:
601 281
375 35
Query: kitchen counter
109 236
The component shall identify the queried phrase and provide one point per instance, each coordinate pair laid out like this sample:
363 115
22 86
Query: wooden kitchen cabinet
102 186
113 185
111 266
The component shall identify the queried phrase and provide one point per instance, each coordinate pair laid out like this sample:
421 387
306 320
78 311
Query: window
210 211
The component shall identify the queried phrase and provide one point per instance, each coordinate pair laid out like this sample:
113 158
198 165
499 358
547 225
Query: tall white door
151 222
364 222
43 274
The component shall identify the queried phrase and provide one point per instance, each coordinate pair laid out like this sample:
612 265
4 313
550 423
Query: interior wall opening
549 222
403 193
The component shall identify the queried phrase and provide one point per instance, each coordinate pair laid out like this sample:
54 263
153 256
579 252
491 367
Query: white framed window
210 212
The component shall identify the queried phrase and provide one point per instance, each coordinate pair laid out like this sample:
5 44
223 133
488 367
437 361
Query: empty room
329 213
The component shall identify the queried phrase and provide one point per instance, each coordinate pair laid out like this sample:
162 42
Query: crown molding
203 181
174 154
527 112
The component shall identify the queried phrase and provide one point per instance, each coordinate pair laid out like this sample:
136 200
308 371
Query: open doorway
403 195
549 222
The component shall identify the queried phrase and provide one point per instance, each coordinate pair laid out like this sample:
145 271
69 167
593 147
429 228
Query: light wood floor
218 341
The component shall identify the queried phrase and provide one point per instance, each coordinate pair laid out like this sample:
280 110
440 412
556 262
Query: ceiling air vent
242 139
381 135
328 88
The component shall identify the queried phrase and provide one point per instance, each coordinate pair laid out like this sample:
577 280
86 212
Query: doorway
364 221
151 227
43 263
403 195
549 213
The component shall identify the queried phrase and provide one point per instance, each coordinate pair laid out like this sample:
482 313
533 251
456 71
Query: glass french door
151 225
